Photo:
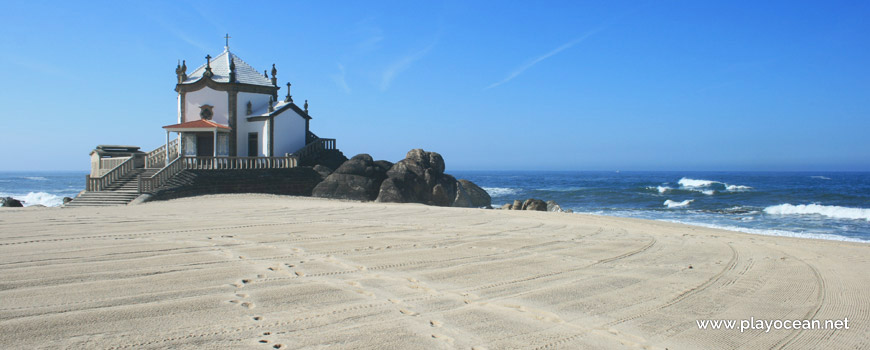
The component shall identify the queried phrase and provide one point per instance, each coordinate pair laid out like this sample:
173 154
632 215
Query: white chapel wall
289 132
206 96
259 103
257 127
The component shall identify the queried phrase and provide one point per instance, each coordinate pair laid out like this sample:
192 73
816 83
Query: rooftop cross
228 40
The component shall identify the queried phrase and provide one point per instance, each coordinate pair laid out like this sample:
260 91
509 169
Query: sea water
812 205
799 204
41 188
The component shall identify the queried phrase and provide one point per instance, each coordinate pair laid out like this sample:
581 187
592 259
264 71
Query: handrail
310 137
100 183
157 157
314 147
228 163
149 184
107 164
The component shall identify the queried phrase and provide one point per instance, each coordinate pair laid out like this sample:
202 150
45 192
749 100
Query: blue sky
603 85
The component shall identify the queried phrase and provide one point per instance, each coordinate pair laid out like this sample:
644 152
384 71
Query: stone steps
121 192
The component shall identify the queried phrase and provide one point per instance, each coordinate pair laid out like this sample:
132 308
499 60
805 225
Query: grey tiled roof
220 66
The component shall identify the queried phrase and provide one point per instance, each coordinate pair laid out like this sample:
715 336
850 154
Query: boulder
554 207
534 204
359 178
419 178
506 206
322 170
518 205
10 202
67 200
462 200
479 197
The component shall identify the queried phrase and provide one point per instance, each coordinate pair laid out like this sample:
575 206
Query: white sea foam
674 204
500 191
692 183
737 188
34 198
709 187
820 177
832 211
36 178
660 189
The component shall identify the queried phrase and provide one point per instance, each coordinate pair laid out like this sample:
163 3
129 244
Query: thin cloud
340 79
401 65
516 72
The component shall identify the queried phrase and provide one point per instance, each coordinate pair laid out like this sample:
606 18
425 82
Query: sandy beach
273 272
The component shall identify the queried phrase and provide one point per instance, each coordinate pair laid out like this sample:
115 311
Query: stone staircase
121 192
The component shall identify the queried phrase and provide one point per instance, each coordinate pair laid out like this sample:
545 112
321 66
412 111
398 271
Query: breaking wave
674 204
500 191
37 198
831 211
820 177
710 187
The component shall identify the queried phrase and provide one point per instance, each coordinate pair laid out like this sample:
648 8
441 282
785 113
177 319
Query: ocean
42 187
819 205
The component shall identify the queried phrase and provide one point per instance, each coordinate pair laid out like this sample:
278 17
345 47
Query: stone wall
297 182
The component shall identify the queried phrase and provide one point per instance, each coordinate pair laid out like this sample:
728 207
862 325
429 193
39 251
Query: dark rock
554 207
67 200
359 178
534 204
419 178
323 170
10 202
462 200
518 205
506 206
479 197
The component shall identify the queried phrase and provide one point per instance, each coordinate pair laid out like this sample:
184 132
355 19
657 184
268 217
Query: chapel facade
226 108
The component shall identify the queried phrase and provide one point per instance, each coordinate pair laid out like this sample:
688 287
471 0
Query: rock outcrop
420 178
359 178
478 196
535 205
10 202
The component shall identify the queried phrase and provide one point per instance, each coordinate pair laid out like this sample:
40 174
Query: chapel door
205 145
252 144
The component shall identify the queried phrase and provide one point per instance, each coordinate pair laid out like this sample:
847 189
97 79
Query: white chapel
227 108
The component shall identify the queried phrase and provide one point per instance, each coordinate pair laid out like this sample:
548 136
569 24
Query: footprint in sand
434 323
278 346
257 318
445 338
247 305
408 312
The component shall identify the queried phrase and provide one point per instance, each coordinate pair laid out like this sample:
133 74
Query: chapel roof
220 66
198 124
278 108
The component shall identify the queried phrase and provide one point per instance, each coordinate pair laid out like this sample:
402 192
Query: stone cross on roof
228 40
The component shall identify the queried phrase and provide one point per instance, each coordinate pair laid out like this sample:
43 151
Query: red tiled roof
202 123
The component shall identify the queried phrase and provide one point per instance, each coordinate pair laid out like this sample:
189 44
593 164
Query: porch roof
198 125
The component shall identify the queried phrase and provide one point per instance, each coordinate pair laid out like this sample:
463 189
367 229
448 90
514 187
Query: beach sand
275 272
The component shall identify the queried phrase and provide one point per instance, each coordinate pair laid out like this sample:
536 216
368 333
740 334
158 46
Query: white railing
103 181
228 163
107 164
149 184
157 157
